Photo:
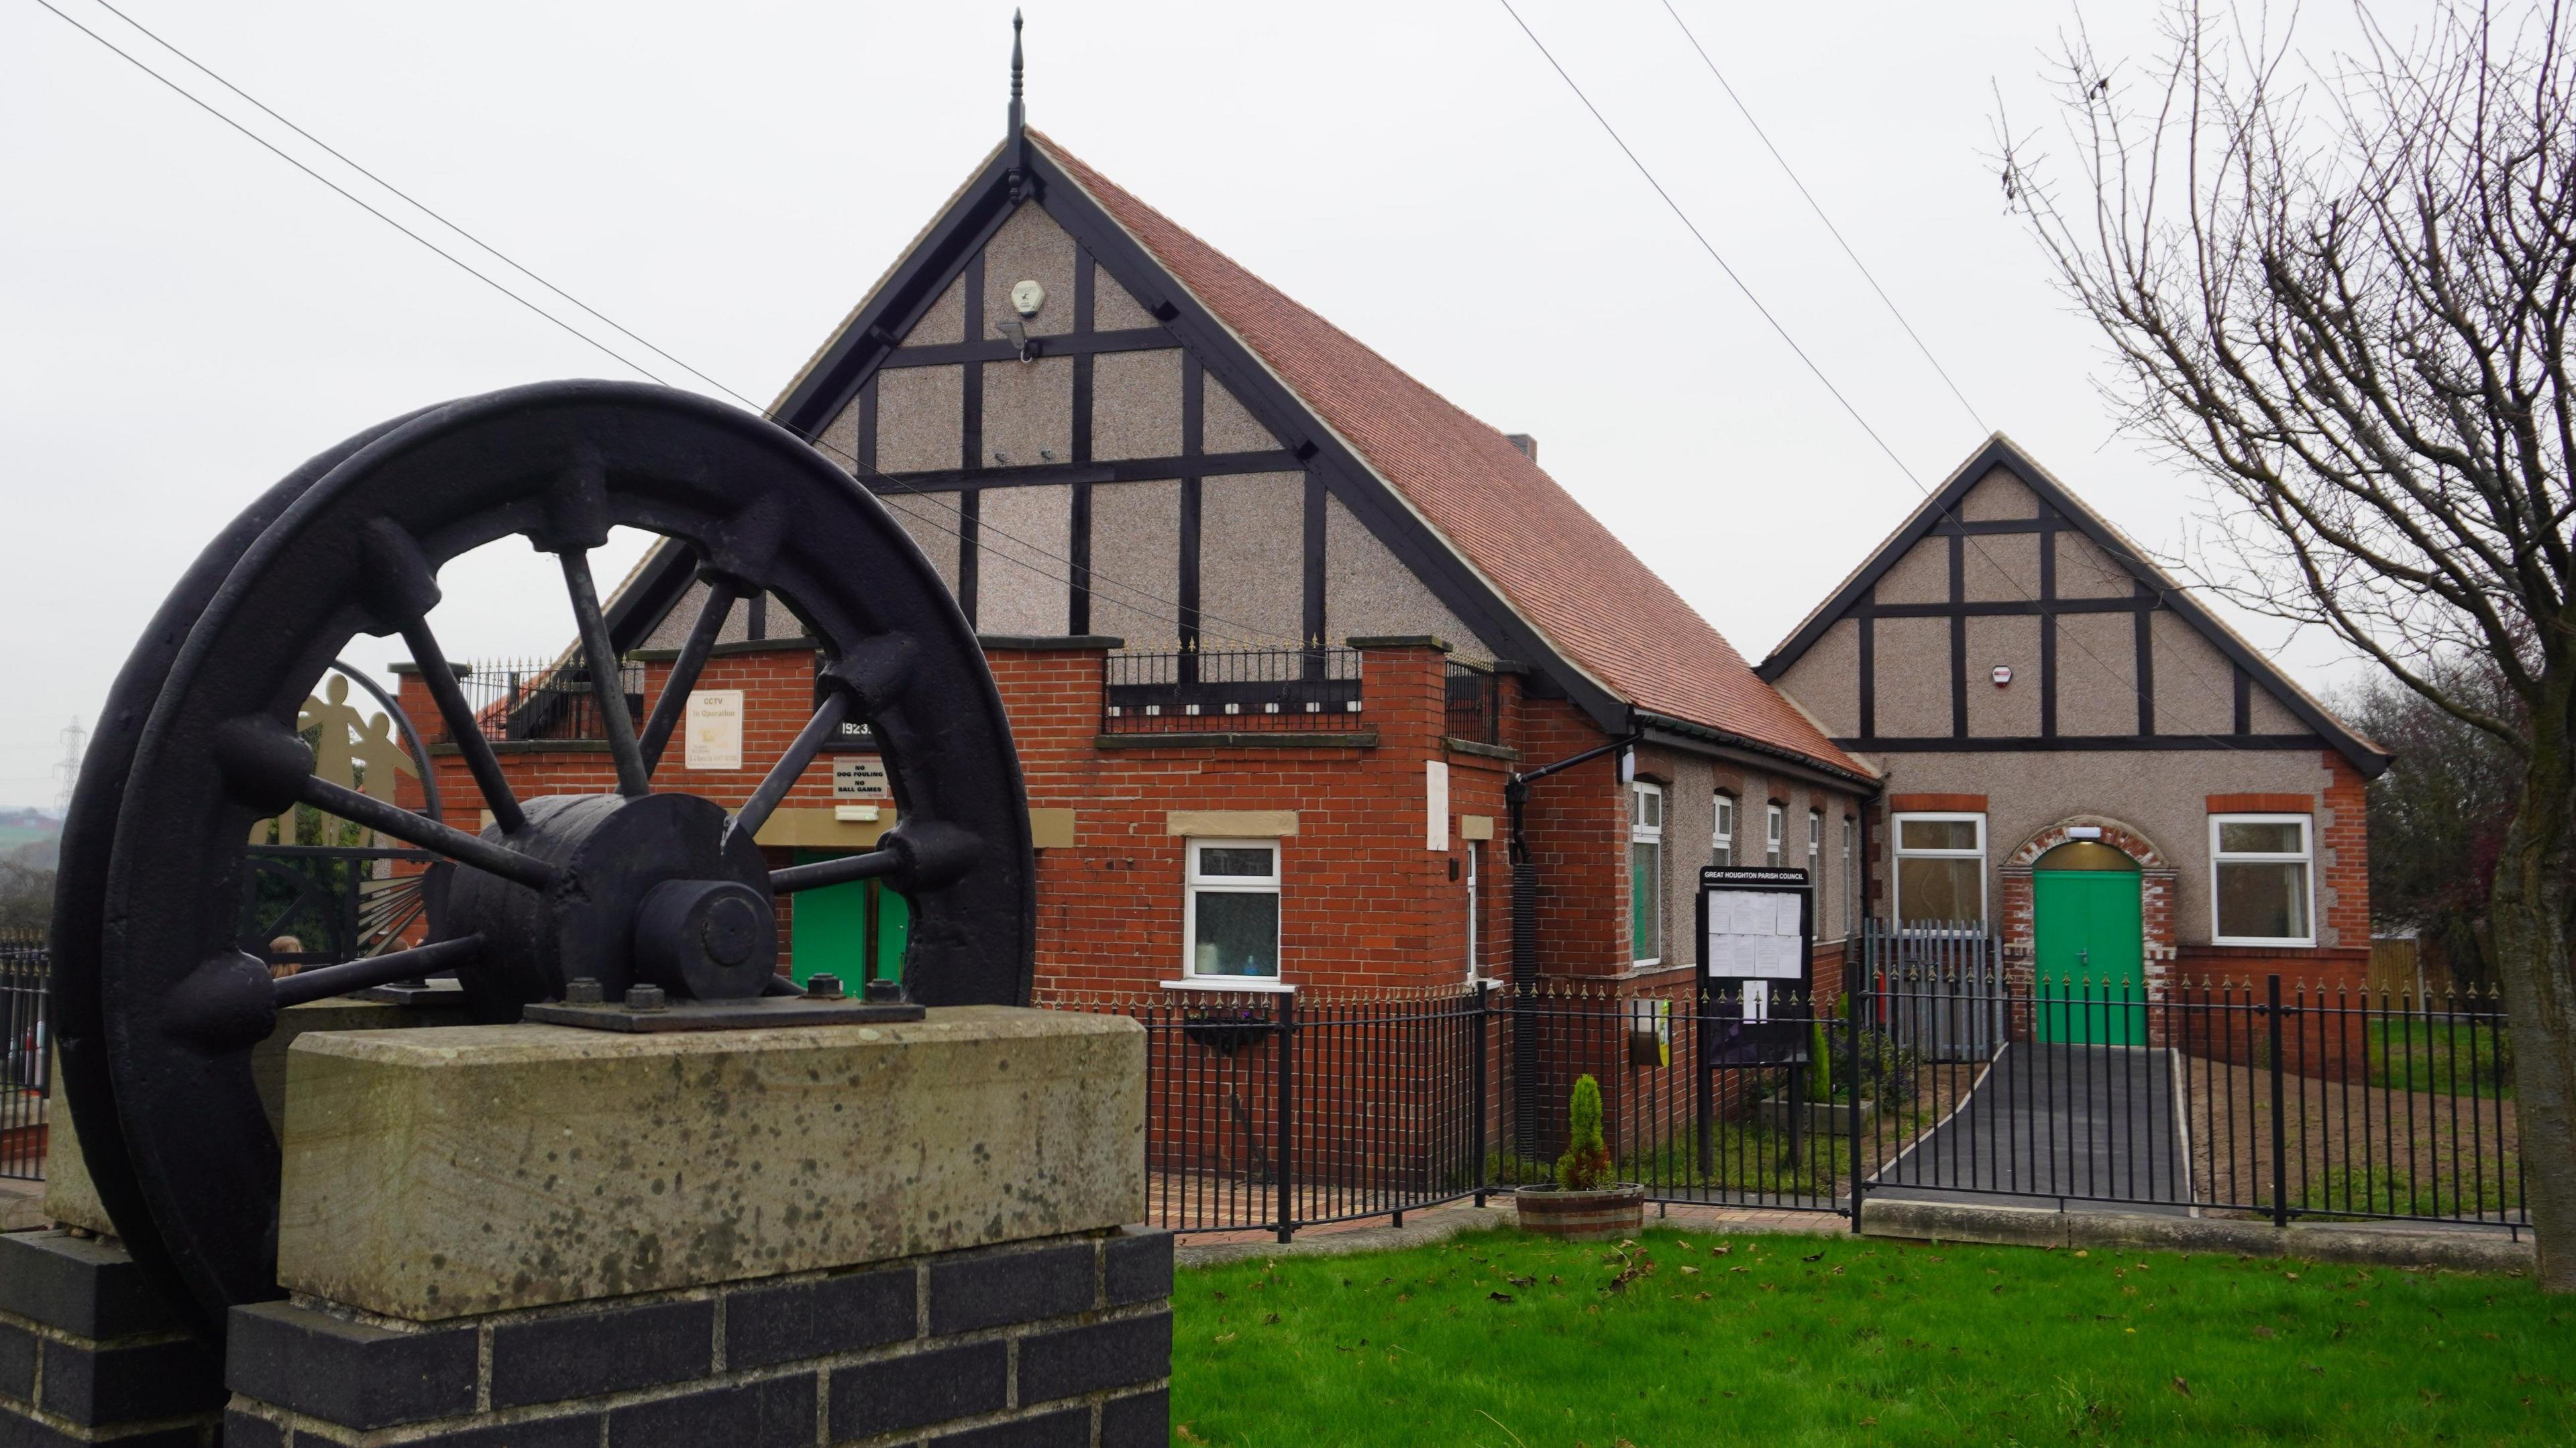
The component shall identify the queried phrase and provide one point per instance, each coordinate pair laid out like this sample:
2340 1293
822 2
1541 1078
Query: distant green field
12 836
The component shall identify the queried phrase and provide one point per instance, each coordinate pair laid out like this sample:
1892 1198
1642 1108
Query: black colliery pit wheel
156 1008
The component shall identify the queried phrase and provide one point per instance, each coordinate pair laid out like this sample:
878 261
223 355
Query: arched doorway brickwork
2156 881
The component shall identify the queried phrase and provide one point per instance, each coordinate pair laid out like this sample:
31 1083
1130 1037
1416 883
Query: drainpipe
1525 1107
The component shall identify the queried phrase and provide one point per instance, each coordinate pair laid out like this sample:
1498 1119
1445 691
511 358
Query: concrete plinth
806 1235
430 1174
73 1202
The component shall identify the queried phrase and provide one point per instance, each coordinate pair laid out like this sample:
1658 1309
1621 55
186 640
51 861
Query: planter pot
1618 1211
1822 1118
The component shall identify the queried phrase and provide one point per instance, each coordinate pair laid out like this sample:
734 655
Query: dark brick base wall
92 1353
1059 1343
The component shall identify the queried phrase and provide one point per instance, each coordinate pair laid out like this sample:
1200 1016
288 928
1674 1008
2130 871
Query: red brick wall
1578 832
1364 901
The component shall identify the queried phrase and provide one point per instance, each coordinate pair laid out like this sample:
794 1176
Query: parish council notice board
1756 934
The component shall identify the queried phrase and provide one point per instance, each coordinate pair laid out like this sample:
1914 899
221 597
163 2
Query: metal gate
1938 986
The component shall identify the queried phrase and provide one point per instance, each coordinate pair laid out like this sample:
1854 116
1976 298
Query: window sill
2256 942
1262 985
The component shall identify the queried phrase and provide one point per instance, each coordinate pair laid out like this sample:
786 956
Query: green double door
2089 943
855 931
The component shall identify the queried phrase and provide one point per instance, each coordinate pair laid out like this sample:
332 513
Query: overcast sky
187 317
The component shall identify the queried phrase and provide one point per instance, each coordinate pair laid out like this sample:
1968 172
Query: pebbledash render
1273 622
2076 752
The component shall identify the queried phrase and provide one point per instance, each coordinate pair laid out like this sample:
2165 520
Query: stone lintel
436 1173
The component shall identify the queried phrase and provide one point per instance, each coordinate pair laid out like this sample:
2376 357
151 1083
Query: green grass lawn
1498 1340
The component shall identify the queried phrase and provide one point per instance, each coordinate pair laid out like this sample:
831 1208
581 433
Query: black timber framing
1079 343
2068 743
2059 511
1078 526
863 344
1193 434
1113 470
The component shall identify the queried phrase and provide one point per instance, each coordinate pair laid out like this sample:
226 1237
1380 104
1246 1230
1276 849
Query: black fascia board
1346 476
910 291
1941 505
1674 733
846 362
2000 452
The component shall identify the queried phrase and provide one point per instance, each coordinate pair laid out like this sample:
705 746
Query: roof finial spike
1018 115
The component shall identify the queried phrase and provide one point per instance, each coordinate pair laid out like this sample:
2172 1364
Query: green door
855 931
2089 940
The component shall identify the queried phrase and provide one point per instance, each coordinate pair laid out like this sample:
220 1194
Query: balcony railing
1475 705
1226 690
527 699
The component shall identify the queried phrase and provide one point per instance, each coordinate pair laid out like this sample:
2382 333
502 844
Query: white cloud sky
188 317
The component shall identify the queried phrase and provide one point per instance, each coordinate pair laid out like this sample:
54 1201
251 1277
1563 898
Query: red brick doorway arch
2156 881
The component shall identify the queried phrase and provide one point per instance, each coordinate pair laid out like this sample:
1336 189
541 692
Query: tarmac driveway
2052 1124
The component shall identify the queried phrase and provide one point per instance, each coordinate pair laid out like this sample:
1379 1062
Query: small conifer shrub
1585 1167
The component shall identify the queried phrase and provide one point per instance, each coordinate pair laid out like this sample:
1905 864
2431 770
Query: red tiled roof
1564 572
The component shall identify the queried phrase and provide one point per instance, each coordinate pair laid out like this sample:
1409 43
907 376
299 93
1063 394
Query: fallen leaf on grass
1225 1337
1522 1281
1720 1250
1703 1297
1182 1432
1271 1321
1813 1257
1498 1297
2182 1387
2265 1332
1690 1271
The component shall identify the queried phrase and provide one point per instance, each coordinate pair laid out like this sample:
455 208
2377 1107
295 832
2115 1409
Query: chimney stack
1527 444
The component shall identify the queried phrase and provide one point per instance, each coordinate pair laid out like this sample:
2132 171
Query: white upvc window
1721 832
1231 910
2261 879
1851 877
1816 847
1775 819
1940 868
1646 872
1475 907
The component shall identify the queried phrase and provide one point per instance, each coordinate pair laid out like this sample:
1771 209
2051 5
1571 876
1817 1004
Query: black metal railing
27 1087
2259 1099
1271 1112
528 699
1474 699
1214 690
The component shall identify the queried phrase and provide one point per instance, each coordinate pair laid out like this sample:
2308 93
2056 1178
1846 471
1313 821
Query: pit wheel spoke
875 864
463 727
721 595
633 780
783 774
428 834
355 975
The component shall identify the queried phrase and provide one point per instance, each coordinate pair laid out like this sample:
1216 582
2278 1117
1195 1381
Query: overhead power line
1706 245
1169 612
1813 205
1971 540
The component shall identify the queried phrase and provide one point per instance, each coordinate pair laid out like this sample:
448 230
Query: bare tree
2341 293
